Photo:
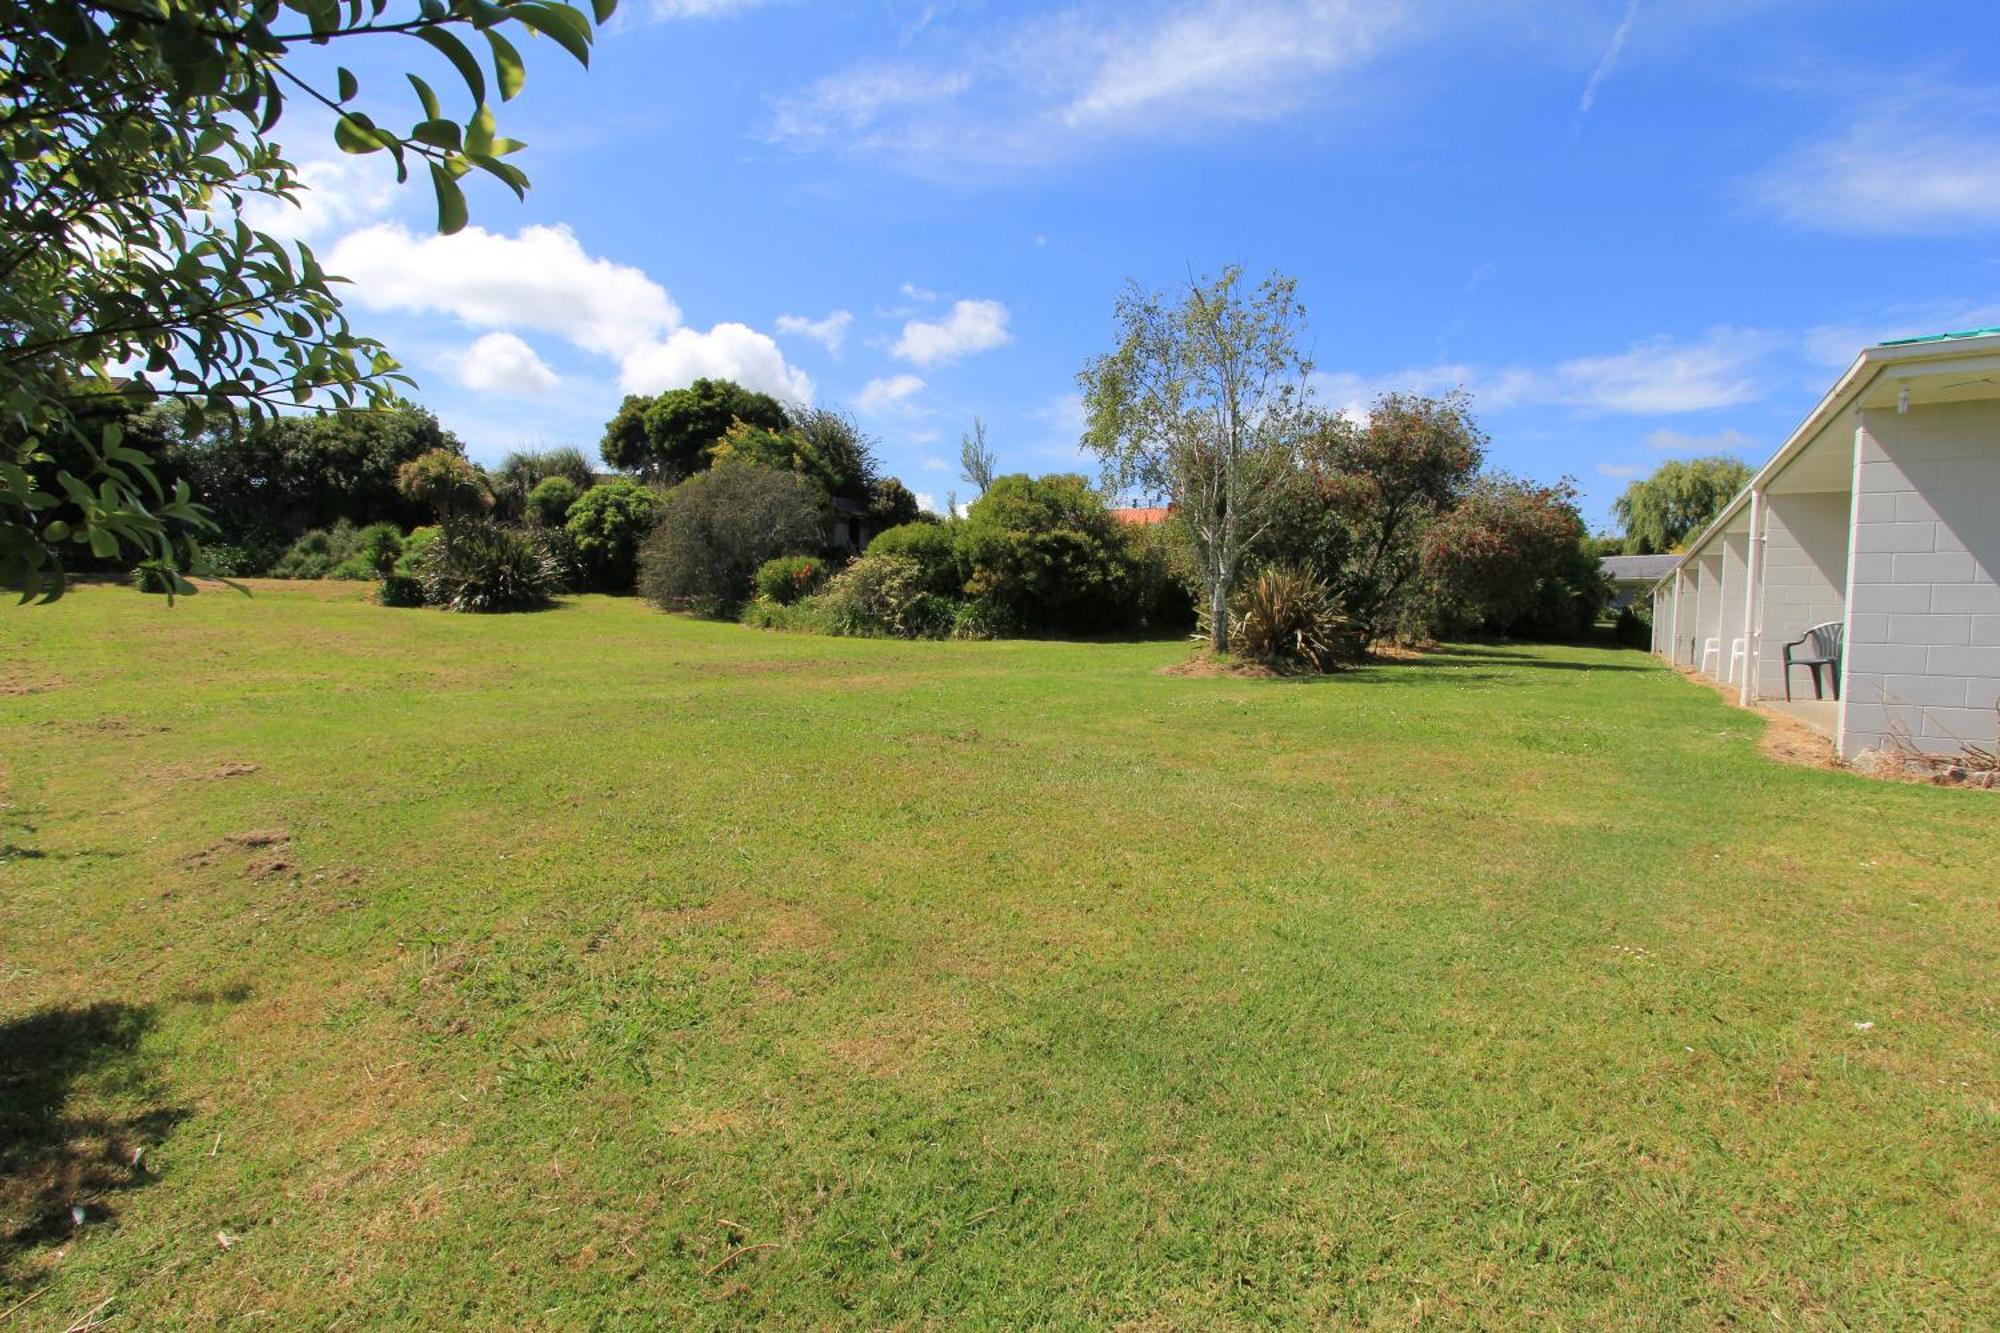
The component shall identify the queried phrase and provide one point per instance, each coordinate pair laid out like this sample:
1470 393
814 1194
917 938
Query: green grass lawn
600 968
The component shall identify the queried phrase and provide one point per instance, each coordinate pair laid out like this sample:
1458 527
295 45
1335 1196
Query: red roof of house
1140 517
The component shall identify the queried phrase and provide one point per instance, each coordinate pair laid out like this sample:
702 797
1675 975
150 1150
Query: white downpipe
1753 574
1847 605
1674 630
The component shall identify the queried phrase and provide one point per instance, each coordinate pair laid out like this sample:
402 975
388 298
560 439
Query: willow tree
1203 404
133 133
1660 512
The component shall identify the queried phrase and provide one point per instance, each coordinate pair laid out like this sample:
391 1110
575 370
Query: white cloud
1622 471
540 279
727 351
932 463
1728 441
502 363
830 332
339 192
927 502
1229 59
972 326
1610 59
700 9
1722 368
1031 89
1892 174
892 393
916 293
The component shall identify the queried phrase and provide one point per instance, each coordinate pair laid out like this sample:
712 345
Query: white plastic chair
1710 648
1739 651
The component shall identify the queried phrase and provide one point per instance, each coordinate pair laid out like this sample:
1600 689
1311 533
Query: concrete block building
1880 519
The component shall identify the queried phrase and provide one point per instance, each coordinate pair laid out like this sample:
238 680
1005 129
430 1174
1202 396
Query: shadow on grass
58 1170
1463 657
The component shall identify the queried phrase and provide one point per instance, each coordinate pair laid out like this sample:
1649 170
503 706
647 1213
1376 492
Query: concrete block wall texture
1924 640
1735 590
1805 579
1708 610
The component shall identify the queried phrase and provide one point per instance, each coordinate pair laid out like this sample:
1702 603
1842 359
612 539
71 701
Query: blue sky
1632 231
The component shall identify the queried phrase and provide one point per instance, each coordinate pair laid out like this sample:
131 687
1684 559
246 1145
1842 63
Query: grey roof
1637 568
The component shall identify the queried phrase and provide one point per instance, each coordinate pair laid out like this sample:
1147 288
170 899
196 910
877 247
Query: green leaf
507 65
349 85
438 133
426 97
454 51
605 9
479 131
563 25
450 200
355 133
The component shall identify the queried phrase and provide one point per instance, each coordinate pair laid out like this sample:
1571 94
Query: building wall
1735 587
1805 579
1924 632
1707 605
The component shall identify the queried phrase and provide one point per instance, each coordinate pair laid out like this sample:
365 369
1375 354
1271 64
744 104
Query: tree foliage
1660 512
668 437
608 523
716 528
131 137
1048 551
1203 402
1513 558
444 481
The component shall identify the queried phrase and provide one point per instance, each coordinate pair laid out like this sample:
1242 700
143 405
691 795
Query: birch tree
1203 404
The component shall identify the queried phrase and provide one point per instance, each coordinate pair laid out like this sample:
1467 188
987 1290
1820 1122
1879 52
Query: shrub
377 548
608 523
883 595
981 619
716 528
321 554
1048 550
790 577
415 546
1633 628
549 503
1165 577
484 567
400 590
933 546
1286 617
446 482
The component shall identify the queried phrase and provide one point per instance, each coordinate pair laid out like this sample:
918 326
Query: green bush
1633 629
1166 580
608 523
1286 617
790 577
483 567
377 548
322 553
716 528
883 596
400 590
934 546
982 619
415 546
549 502
1048 550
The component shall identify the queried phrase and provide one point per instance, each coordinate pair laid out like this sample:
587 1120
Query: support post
1753 575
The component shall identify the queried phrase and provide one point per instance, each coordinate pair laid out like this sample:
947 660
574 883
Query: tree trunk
1218 614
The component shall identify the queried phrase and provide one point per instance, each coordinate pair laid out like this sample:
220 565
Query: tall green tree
1203 402
131 137
669 437
1660 512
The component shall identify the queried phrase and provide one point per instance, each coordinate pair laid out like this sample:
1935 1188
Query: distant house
1140 516
1873 535
1632 576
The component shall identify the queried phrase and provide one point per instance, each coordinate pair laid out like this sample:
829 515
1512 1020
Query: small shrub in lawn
883 595
321 553
790 577
483 567
607 524
377 548
1286 617
400 590
415 546
718 527
934 547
